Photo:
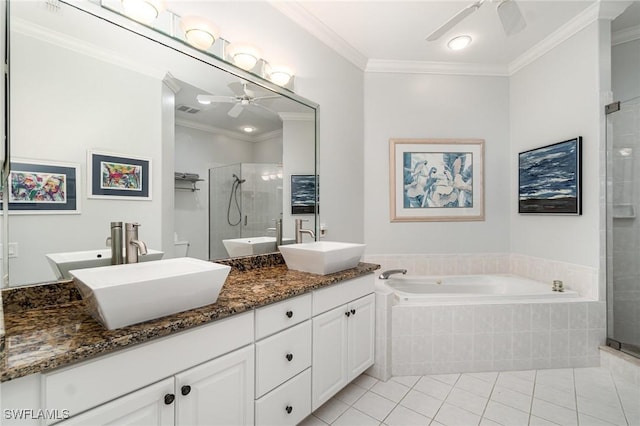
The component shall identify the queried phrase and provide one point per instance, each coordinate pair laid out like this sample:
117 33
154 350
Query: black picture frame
550 179
304 190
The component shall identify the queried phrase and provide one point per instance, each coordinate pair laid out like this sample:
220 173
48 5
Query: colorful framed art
117 176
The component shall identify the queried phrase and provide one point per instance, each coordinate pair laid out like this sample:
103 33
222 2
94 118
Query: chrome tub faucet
386 274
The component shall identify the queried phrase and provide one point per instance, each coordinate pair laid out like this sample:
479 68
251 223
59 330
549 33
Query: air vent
188 109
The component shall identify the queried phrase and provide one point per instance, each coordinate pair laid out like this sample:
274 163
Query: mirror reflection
215 151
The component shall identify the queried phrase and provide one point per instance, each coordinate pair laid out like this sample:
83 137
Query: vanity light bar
201 34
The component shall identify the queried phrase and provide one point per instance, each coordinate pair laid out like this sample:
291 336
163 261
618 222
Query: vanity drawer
287 405
340 293
282 356
273 318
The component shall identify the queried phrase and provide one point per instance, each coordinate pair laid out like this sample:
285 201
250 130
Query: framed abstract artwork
303 194
436 180
549 179
43 187
117 176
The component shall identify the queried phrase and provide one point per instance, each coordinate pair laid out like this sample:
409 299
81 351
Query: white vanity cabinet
283 361
343 337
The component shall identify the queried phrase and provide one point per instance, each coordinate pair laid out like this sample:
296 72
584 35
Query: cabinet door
145 407
329 366
218 392
361 334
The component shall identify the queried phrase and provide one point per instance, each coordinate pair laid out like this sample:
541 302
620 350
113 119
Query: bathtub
472 288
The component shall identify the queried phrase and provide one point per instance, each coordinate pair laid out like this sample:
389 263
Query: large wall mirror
107 125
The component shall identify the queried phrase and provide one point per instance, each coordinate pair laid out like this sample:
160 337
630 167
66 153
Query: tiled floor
580 396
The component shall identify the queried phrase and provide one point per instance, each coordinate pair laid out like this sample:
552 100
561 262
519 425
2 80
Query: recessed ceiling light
459 43
248 129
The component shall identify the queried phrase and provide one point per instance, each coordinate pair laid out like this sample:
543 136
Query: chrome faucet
278 231
133 246
386 274
115 242
300 231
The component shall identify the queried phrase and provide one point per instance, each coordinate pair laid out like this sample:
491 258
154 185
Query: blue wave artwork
303 194
438 180
549 179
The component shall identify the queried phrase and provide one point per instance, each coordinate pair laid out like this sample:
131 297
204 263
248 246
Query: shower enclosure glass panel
623 218
244 201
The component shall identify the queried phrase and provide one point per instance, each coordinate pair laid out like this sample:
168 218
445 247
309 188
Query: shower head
238 180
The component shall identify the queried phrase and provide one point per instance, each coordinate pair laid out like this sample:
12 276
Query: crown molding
301 16
297 116
626 35
425 67
577 24
82 47
229 133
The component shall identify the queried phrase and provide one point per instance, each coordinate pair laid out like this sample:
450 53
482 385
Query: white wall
104 115
553 99
625 60
436 106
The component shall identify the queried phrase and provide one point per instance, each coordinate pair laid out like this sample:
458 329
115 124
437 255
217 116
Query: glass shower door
623 276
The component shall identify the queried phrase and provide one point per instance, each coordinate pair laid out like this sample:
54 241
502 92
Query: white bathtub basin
122 295
322 257
62 263
252 245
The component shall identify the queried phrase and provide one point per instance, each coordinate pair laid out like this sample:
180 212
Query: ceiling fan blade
455 20
236 110
511 17
207 99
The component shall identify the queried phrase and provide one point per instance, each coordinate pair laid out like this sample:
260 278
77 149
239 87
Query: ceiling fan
245 95
508 10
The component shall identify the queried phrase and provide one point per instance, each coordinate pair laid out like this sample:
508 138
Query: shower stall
623 226
245 199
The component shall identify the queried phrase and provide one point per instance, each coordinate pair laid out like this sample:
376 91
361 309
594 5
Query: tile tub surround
52 335
495 337
580 278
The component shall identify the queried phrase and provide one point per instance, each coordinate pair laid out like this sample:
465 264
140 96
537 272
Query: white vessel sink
62 263
322 257
122 295
252 245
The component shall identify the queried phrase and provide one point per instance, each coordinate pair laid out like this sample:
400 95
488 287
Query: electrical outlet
13 250
323 230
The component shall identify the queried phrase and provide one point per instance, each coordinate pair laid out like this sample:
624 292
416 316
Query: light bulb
145 11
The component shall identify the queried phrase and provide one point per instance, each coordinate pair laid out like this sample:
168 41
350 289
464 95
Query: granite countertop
48 326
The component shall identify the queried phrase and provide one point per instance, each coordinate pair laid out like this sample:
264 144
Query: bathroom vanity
276 345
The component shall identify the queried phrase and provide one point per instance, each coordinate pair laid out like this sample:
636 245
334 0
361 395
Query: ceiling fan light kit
460 42
508 11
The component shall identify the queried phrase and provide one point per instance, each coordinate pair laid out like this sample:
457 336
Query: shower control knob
289 314
169 398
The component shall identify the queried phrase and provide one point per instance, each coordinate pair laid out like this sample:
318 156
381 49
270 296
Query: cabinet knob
289 357
169 398
289 409
185 390
289 314
348 313
353 312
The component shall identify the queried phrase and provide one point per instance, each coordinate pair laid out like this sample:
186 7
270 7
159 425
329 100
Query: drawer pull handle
169 398
289 357
289 409
289 314
353 312
185 390
348 314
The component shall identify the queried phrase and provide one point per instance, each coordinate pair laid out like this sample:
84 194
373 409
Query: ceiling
395 31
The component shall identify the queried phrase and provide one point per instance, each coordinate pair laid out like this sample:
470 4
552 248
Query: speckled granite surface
42 334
